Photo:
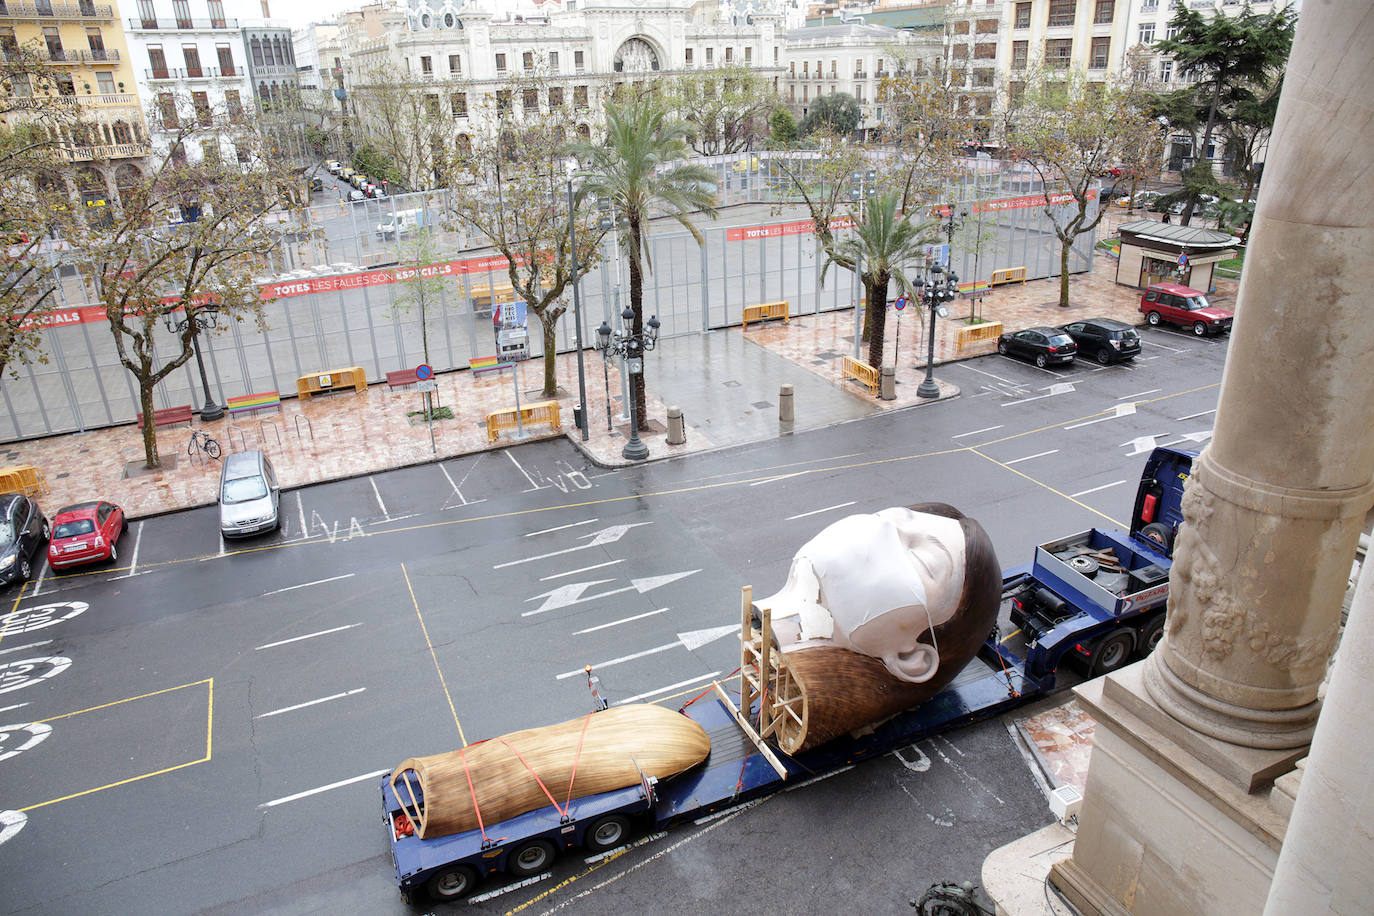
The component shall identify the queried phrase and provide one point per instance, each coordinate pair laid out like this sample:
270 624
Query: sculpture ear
917 666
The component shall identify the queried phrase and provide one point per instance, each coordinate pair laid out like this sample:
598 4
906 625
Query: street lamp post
630 347
934 293
577 307
204 319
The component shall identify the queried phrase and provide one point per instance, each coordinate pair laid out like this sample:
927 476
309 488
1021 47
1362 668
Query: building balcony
49 11
64 56
112 151
277 70
861 74
181 25
176 75
109 100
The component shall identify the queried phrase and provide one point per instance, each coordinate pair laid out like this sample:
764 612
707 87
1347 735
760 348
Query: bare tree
726 108
409 124
150 276
923 124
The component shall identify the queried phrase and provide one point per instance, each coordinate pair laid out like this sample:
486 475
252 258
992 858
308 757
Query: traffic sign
900 303
424 371
1182 258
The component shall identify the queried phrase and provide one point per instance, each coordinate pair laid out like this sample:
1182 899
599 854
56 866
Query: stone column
1275 503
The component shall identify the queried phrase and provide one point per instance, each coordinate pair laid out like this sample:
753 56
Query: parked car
86 533
316 184
1105 339
1043 344
1185 307
356 195
332 166
23 532
248 495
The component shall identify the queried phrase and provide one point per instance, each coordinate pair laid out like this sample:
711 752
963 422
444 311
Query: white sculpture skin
873 584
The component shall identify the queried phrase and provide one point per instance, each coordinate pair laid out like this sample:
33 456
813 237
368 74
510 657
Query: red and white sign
748 233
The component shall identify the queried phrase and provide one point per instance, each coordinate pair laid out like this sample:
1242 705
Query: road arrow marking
598 538
1140 445
1057 388
568 595
695 639
1120 410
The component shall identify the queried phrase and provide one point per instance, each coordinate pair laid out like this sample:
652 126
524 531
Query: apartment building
84 42
848 57
1088 36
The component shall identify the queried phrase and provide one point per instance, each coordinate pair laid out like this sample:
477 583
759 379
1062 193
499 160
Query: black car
1042 344
1105 339
23 533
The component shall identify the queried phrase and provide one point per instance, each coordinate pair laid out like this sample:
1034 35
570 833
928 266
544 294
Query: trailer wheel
452 883
530 858
1150 635
1111 653
606 832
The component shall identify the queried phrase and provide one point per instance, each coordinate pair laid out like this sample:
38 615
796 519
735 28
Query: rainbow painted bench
263 400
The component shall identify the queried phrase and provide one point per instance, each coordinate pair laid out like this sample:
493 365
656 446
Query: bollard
677 432
889 383
786 413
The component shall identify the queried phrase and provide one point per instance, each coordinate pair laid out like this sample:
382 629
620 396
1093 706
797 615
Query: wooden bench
485 296
169 415
402 377
765 312
524 415
1008 275
331 380
263 400
861 372
967 336
486 364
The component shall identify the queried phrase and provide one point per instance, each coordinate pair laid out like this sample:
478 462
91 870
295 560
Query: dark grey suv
1104 339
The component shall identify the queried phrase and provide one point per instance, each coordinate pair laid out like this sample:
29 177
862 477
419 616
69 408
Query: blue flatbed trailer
1057 607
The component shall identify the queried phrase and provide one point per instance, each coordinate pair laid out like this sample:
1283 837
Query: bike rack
243 437
262 434
308 427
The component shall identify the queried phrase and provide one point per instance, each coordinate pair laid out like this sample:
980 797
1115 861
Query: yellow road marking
432 654
209 730
14 609
1041 483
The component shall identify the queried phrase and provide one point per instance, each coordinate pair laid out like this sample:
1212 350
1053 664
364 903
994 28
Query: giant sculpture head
879 584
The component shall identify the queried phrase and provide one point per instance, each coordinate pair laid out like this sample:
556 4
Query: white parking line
277 712
974 432
27 645
332 785
1029 457
653 693
792 518
589 521
511 456
378 493
292 588
462 500
38 583
675 644
616 623
15 706
273 645
1194 416
300 507
1138 394
988 374
1114 483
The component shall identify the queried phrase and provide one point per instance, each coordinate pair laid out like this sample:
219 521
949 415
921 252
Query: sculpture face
874 584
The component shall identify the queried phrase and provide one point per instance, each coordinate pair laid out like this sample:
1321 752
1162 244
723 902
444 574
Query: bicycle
202 441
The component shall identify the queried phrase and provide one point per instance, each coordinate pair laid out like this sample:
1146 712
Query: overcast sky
304 12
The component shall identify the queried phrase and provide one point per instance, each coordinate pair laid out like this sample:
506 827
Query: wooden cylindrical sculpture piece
600 752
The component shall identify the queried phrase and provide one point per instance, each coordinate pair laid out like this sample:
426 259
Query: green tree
1070 132
1226 53
782 127
633 169
884 241
836 112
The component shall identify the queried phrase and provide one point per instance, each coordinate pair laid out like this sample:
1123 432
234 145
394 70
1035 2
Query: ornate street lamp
934 293
630 347
205 319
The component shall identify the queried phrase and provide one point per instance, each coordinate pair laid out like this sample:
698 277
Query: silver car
248 495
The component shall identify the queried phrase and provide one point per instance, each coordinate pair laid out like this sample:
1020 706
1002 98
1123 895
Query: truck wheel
1150 635
606 833
1161 534
452 883
1112 652
530 858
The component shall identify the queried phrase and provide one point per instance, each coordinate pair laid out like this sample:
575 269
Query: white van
403 223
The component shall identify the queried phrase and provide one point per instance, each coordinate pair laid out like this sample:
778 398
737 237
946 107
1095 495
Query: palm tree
885 239
634 169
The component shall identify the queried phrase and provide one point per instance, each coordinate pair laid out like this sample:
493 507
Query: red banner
748 233
1015 203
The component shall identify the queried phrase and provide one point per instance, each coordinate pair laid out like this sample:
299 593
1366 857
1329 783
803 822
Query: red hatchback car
1185 307
85 533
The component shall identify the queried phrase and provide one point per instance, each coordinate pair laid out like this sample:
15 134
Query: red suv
1184 307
